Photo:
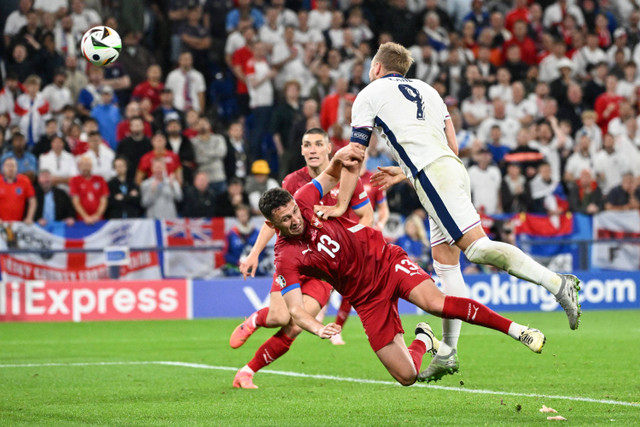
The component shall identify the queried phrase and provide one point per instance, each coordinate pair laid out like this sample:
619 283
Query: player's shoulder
296 179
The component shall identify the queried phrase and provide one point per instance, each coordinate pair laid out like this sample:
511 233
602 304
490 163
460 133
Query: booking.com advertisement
185 299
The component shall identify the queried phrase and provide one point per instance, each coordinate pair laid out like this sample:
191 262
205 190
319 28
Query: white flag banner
616 225
42 264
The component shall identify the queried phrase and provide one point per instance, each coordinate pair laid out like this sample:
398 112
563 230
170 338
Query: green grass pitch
68 384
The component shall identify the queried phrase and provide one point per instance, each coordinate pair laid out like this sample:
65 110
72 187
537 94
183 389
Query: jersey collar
393 75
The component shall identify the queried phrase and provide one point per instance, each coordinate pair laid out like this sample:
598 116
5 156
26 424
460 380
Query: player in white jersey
412 118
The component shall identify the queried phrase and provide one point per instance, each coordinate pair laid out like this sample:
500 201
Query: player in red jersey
366 270
378 199
316 148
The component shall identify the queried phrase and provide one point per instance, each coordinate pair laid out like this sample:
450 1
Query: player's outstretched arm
387 177
249 265
293 298
345 166
450 133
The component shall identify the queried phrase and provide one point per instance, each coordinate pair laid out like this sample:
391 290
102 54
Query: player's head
316 148
391 57
281 212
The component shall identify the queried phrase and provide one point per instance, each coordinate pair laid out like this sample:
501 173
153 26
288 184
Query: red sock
473 312
343 313
261 317
417 349
272 349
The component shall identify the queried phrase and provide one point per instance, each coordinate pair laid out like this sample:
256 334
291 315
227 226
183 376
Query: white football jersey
406 113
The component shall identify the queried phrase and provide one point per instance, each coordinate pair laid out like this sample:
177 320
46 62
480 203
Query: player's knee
277 318
407 380
484 251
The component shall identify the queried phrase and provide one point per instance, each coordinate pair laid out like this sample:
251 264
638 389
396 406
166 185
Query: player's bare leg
275 315
274 348
447 266
428 297
481 250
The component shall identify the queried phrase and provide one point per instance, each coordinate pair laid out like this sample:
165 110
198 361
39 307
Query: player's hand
387 177
248 266
350 155
324 212
329 330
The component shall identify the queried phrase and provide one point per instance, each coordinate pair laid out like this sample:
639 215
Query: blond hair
394 57
420 228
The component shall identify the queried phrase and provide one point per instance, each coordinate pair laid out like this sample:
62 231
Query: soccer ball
101 45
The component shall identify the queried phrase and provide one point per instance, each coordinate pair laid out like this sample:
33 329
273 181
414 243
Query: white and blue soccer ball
101 45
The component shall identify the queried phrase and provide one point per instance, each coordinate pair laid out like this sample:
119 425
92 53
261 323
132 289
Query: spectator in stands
191 125
89 193
324 83
244 9
476 108
101 156
514 191
589 56
108 116
83 18
44 143
57 94
240 240
10 92
187 84
585 195
60 164
610 164
502 88
558 87
258 182
76 80
31 109
136 60
580 160
53 204
123 129
65 39
235 162
16 20
166 111
595 85
285 115
607 105
26 162
520 108
334 103
414 241
151 88
124 194
210 153
574 107
90 95
509 126
17 197
590 127
195 38
20 63
160 192
496 146
159 151
625 196
227 202
299 126
199 198
544 190
183 147
485 179
134 146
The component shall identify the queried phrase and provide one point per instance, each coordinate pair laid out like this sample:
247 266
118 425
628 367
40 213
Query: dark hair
124 159
94 133
273 199
316 131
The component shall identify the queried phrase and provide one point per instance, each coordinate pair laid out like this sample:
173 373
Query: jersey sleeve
307 196
362 119
73 187
286 273
28 188
360 197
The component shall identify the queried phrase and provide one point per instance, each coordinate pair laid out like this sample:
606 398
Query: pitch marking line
327 377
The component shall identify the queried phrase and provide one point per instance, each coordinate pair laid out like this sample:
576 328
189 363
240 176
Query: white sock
253 319
452 284
444 349
426 339
515 262
246 368
515 330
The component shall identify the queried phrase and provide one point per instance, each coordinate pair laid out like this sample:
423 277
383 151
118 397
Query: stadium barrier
186 299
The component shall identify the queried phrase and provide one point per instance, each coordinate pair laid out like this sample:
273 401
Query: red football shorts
315 288
379 313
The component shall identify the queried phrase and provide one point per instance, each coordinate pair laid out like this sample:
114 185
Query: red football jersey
90 190
296 180
13 197
349 256
171 161
376 195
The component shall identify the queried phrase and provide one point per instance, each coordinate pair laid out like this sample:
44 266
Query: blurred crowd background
207 103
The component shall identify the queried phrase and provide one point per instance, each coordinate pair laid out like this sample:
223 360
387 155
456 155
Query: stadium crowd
207 103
